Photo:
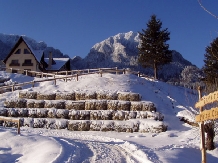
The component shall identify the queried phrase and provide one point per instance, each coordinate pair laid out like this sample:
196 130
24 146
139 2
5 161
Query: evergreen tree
153 50
211 63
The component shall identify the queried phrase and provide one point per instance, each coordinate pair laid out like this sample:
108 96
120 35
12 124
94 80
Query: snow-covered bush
123 105
106 95
130 115
22 112
79 115
95 105
32 112
76 105
52 112
61 123
155 116
65 96
101 105
42 113
111 96
82 125
95 125
15 103
58 104
101 95
27 122
3 112
31 95
80 95
46 96
90 95
118 115
112 104
107 126
101 115
136 106
38 123
39 103
50 123
150 126
62 113
128 96
123 126
30 103
22 94
12 112
148 106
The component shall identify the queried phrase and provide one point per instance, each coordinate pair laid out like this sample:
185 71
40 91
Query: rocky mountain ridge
8 41
116 51
121 51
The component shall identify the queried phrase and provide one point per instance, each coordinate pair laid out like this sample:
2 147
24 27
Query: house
24 57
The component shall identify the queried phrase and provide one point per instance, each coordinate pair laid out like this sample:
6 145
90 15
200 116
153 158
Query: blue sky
74 26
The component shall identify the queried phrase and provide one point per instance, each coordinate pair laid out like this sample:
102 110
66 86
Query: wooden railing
10 119
68 75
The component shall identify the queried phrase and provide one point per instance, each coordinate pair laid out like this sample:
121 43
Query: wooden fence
10 119
67 75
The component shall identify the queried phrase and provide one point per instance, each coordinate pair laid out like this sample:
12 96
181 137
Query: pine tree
153 50
210 67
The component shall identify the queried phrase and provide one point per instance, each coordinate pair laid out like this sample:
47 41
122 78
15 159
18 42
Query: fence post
13 88
42 75
116 70
11 70
54 80
26 72
77 77
18 127
33 83
138 74
124 71
203 149
88 71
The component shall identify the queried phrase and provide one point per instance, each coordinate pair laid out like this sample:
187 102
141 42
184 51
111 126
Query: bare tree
200 3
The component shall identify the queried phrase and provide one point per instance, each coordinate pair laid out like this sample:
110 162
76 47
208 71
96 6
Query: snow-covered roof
59 62
37 53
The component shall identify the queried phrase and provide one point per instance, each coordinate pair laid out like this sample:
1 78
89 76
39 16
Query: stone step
82 105
79 114
91 125
81 95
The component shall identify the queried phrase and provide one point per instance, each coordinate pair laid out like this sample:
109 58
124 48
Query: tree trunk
209 129
155 70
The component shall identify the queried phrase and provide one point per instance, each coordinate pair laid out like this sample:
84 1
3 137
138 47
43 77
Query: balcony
14 64
27 64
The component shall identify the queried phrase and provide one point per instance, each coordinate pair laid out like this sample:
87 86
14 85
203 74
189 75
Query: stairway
84 111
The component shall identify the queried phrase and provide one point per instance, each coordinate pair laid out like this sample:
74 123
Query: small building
24 57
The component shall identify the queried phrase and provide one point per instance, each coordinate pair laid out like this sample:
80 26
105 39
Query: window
14 63
26 51
18 51
27 62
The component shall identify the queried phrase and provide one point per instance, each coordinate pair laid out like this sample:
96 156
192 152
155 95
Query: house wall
21 58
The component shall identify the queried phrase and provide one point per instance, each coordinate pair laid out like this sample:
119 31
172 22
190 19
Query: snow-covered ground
179 144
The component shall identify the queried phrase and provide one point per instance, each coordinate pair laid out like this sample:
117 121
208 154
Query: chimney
50 60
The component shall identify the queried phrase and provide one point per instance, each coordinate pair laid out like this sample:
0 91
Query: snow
180 143
59 62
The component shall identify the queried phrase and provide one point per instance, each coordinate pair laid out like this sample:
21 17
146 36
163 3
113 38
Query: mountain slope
8 41
121 51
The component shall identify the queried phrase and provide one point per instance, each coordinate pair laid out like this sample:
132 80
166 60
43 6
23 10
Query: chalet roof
37 53
59 62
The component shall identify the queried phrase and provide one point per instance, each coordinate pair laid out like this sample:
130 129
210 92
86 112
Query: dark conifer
211 63
153 50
